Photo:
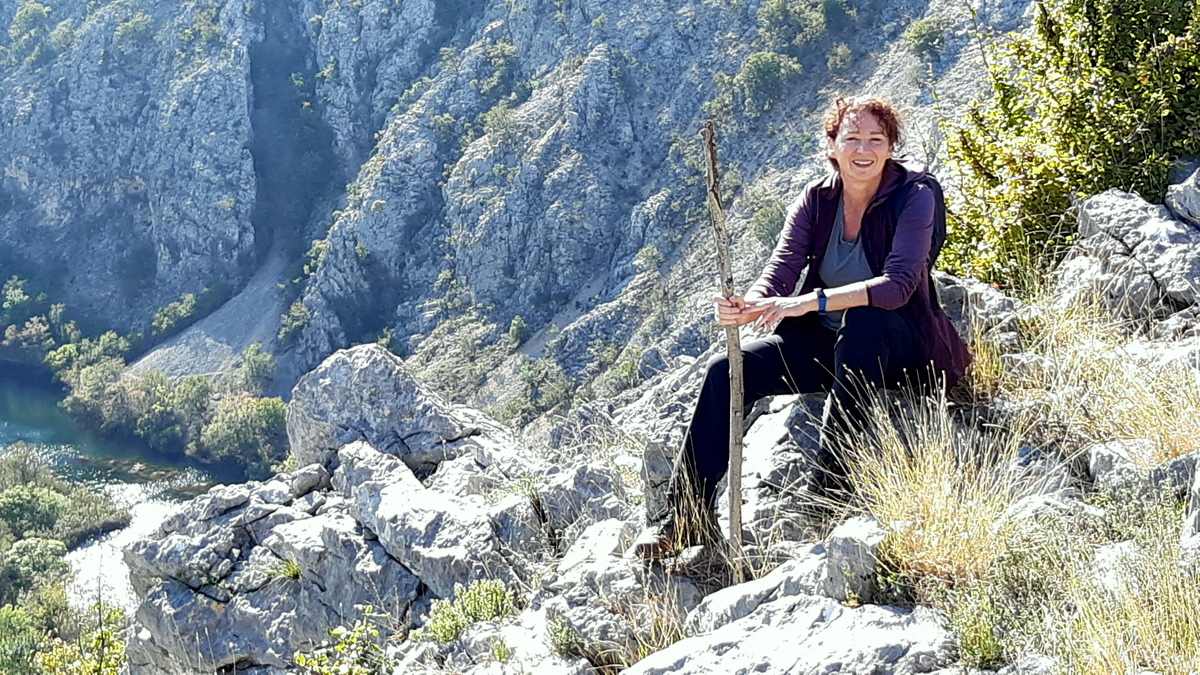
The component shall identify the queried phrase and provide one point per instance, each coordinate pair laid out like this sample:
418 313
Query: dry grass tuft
1087 380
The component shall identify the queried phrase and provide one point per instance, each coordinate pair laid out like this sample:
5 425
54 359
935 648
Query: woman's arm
909 254
901 270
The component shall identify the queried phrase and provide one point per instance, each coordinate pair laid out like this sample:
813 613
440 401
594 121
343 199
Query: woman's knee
863 343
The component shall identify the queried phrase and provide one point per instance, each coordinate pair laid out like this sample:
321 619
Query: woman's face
861 147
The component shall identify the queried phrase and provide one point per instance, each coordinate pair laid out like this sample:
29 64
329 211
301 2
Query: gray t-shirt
844 263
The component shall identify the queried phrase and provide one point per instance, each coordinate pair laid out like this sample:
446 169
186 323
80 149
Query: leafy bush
925 37
29 31
99 649
789 26
483 600
30 562
255 371
166 319
1102 94
29 509
647 259
20 639
518 330
134 32
247 430
355 650
543 386
80 512
759 85
293 322
839 58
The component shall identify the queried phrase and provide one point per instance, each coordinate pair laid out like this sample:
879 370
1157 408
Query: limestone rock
240 576
1135 257
812 634
367 393
444 540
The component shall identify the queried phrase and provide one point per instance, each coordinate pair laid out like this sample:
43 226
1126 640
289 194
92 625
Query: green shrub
518 330
355 650
788 26
293 322
99 649
481 601
20 640
30 509
839 58
166 319
761 82
79 511
30 562
500 124
647 259
134 32
254 373
29 32
925 38
1102 94
543 386
247 430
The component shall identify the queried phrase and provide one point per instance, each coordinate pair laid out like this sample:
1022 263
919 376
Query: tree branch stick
716 214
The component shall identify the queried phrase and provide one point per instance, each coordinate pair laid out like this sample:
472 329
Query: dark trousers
872 347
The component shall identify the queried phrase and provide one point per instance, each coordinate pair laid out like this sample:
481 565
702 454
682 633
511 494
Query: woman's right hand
734 310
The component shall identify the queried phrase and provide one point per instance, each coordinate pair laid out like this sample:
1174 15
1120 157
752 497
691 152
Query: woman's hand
775 309
734 310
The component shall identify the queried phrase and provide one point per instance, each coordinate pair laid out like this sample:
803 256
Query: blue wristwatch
820 300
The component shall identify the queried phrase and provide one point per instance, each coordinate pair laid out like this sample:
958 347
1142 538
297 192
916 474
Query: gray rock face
1133 256
1121 466
443 540
128 177
251 574
810 634
602 598
1183 198
367 393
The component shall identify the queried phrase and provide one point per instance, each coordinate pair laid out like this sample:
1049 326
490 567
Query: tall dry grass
1088 378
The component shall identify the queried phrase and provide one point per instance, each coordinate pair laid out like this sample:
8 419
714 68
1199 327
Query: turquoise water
150 485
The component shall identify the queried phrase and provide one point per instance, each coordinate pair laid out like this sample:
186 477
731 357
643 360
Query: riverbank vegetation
41 517
210 418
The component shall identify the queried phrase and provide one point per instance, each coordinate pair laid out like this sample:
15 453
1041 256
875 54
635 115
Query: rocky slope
406 498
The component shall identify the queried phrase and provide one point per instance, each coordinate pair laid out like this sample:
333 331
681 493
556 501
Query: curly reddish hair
884 112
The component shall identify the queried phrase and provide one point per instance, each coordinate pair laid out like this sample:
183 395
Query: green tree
31 562
29 509
788 26
1102 94
250 431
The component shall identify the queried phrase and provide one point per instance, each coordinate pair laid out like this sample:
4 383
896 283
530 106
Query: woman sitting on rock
867 311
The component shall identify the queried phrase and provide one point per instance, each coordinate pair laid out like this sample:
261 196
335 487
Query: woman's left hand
776 309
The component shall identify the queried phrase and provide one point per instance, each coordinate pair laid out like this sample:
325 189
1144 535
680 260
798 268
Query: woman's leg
874 348
796 359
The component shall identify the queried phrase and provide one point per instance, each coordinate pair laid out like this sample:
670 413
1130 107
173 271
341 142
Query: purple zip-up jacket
896 241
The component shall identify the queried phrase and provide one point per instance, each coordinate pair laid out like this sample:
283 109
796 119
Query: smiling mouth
863 163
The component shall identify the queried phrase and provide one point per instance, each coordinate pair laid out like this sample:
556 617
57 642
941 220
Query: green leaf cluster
1102 94
483 600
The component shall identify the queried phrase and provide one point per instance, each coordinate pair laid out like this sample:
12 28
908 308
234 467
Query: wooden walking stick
716 216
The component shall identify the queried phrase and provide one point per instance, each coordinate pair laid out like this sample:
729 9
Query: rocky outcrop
250 574
1138 260
421 498
368 393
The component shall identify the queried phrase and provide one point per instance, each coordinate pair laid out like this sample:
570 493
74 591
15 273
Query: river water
150 485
